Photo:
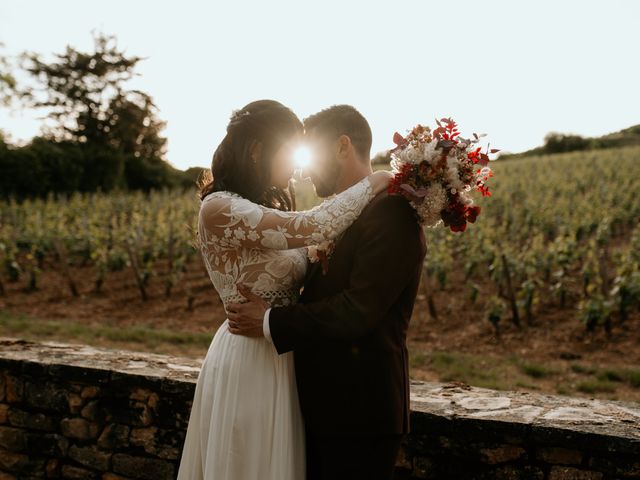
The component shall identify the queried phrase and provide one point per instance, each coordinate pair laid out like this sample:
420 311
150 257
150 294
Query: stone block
513 472
114 436
559 456
14 389
79 473
171 412
76 403
93 411
49 444
111 476
142 467
34 421
78 428
46 396
571 473
422 467
12 461
623 467
91 457
140 394
12 439
52 470
128 412
90 391
158 442
501 454
152 401
403 461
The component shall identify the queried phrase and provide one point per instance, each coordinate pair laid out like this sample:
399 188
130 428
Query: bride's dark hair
232 168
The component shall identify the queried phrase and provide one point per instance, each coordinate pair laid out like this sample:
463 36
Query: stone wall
72 411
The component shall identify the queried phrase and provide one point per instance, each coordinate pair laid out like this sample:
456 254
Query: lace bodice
265 248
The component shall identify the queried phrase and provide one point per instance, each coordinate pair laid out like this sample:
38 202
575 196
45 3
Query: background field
541 293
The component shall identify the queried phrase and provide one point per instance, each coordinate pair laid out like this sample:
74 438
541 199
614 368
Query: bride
245 421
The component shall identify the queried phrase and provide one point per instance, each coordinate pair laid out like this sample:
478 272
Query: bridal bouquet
436 170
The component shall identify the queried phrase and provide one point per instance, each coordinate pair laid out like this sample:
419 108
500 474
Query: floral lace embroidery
265 248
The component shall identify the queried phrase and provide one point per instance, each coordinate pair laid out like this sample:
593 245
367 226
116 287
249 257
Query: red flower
459 228
399 178
474 156
398 139
484 190
472 213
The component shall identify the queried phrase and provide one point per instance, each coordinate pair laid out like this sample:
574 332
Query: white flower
248 212
279 267
239 233
430 152
434 201
275 239
322 216
265 282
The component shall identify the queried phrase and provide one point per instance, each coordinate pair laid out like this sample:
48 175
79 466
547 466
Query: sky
515 70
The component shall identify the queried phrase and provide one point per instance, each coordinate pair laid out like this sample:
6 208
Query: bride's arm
235 222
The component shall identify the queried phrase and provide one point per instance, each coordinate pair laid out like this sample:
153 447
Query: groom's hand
247 318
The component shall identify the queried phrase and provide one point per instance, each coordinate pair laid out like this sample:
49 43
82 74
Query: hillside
561 143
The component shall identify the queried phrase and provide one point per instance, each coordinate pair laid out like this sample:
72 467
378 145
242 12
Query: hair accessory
238 114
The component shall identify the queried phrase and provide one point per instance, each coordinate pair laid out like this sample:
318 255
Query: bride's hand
380 180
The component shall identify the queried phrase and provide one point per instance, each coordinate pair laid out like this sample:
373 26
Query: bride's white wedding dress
245 421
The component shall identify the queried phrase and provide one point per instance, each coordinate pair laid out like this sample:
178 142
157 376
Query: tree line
97 134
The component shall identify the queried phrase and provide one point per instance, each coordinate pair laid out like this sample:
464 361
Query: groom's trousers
351 457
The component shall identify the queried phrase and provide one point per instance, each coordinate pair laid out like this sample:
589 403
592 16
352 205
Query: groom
348 331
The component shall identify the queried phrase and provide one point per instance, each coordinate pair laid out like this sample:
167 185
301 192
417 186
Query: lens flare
302 157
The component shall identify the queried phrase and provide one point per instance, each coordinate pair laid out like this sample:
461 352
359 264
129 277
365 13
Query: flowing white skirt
245 421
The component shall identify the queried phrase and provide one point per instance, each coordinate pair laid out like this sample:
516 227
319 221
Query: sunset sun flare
302 157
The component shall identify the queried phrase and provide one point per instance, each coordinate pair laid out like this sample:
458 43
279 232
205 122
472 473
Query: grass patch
633 377
417 359
468 369
596 386
629 375
609 376
138 336
535 370
577 368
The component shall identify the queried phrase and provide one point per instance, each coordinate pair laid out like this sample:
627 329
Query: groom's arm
385 263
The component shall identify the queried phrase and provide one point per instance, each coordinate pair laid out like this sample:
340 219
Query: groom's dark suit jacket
349 329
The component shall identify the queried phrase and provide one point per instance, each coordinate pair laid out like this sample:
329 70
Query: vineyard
559 238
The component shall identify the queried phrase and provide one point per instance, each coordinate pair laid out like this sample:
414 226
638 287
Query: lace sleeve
232 221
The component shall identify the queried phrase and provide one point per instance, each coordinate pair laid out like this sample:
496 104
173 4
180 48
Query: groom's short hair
342 120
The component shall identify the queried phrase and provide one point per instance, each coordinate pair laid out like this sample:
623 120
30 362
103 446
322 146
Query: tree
78 88
87 104
560 142
7 80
